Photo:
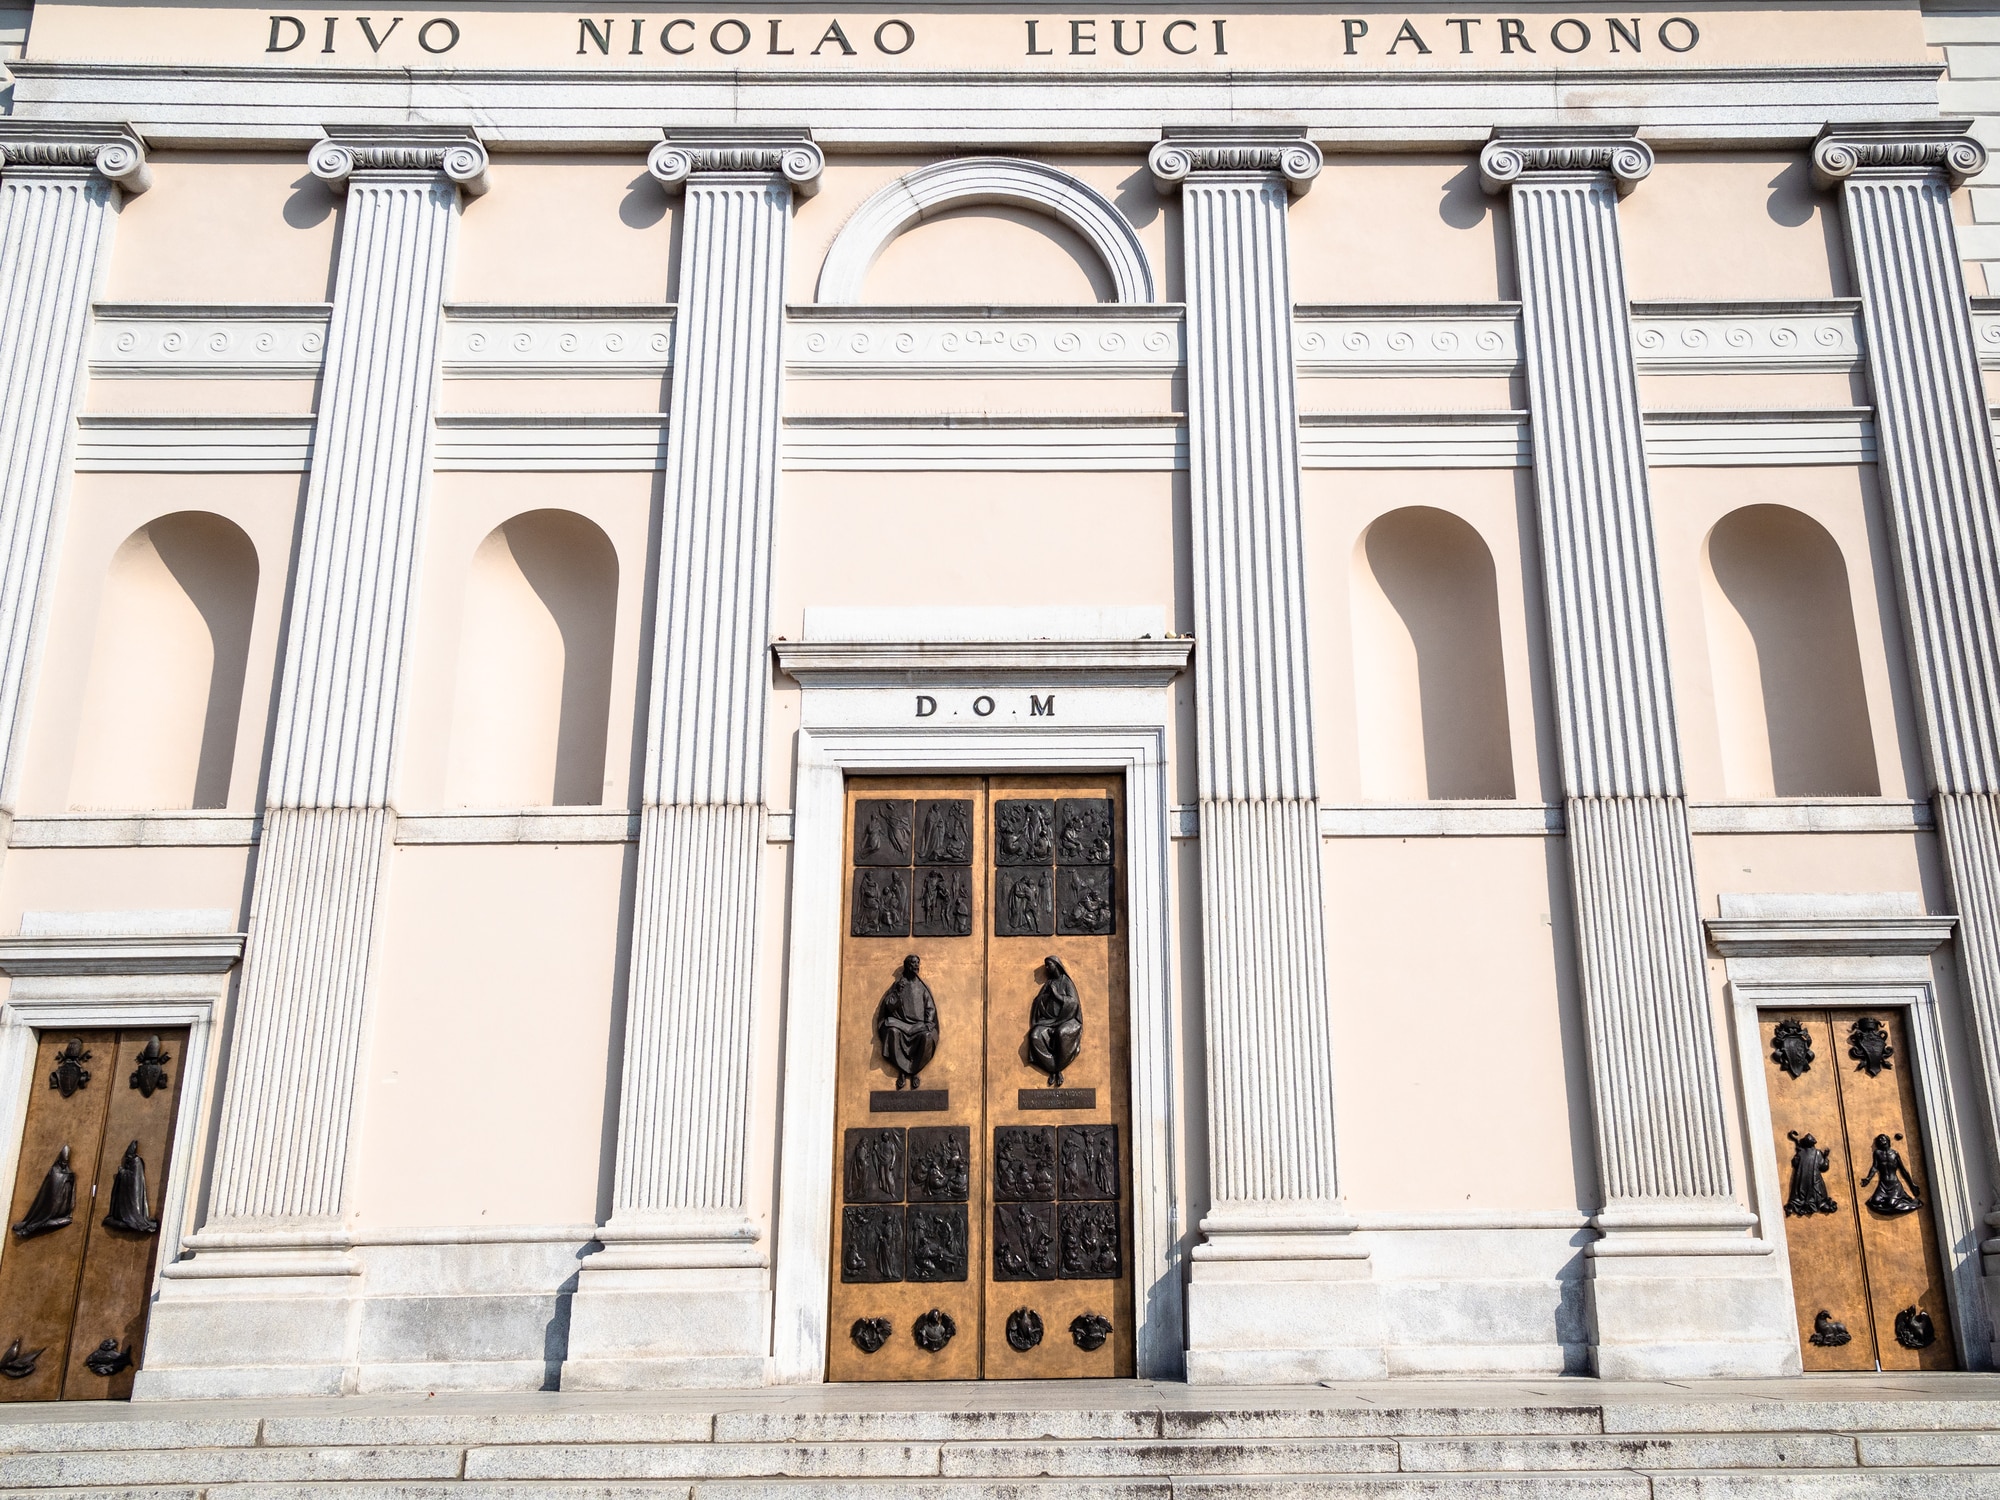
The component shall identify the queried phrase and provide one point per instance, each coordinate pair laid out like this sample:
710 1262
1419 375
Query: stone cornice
1853 936
114 151
896 663
148 953
1185 153
456 153
790 154
1511 156
1940 146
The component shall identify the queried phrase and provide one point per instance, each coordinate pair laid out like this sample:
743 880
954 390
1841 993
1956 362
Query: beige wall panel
1339 508
1411 393
567 230
1450 238
491 1081
1687 503
1459 1072
464 510
105 510
1014 540
1732 227
624 397
121 879
807 396
1770 391
1785 863
224 229
1989 378
234 398
960 260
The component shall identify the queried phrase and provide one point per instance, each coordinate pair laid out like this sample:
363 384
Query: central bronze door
982 1166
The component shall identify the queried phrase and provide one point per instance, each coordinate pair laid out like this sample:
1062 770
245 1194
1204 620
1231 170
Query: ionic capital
789 154
1934 146
454 152
1183 154
1510 156
115 152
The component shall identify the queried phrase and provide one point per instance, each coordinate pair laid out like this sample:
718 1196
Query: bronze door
76 1270
1867 1277
982 1171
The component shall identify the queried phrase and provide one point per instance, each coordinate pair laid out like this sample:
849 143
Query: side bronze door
76 1267
1867 1276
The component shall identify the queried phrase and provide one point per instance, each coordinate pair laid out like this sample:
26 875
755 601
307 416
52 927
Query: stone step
866 1464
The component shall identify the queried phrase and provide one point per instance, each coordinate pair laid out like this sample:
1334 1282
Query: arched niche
1430 684
533 697
164 694
990 255
1790 706
946 186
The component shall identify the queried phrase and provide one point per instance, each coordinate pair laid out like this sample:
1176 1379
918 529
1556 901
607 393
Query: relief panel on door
1867 1277
981 1183
77 1265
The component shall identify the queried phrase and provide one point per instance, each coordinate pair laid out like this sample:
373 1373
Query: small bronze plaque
1083 831
909 1101
937 1242
1084 903
883 831
944 833
871 1244
1089 1161
873 1170
1024 1242
1024 832
1024 903
881 903
1057 1099
1024 1163
1090 1242
941 1163
944 901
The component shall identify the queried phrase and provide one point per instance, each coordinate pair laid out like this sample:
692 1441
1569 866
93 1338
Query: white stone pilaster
1279 1290
263 1306
680 1294
1670 1215
1938 475
59 192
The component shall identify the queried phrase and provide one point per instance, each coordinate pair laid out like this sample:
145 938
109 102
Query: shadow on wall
1789 702
534 666
1430 686
165 692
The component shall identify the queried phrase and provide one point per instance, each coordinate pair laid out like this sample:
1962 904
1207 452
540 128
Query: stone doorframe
118 970
1106 705
1831 952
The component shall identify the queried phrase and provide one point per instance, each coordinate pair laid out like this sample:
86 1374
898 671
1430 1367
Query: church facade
707 697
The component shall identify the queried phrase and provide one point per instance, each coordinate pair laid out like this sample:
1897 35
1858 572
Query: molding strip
489 341
1111 341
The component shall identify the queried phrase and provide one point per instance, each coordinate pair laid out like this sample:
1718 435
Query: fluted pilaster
59 186
1937 470
1655 1082
1668 1210
1263 924
287 1110
684 1103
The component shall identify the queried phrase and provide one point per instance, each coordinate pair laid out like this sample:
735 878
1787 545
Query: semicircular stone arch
968 181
